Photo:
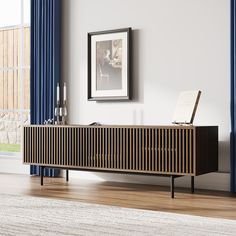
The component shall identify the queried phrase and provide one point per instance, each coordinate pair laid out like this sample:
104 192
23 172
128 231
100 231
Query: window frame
21 72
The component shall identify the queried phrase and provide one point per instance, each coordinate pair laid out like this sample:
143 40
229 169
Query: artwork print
109 55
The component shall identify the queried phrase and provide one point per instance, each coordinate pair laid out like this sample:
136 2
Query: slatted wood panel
157 150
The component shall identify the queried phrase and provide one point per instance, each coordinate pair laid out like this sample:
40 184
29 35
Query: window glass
10 12
14 73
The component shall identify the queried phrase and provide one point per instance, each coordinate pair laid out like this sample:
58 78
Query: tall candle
64 93
58 93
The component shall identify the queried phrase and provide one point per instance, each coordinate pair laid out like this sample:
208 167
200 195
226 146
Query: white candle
64 93
58 93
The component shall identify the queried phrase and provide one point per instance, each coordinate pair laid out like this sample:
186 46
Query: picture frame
109 65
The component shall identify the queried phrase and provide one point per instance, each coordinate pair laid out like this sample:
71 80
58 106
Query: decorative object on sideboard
109 64
61 110
186 107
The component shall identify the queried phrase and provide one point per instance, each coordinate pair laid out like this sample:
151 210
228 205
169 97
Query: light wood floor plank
203 203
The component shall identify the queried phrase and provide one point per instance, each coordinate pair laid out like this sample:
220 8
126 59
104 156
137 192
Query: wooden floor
202 203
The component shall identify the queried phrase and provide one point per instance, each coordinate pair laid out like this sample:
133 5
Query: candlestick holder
64 114
57 114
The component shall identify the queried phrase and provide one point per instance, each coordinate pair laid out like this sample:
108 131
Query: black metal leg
67 175
172 186
41 174
192 184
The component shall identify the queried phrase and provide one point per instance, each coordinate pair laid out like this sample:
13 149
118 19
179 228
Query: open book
186 107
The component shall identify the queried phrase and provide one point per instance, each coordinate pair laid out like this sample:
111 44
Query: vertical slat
100 147
65 146
25 141
67 154
130 149
176 152
166 151
92 147
81 146
30 145
136 149
25 152
56 146
59 145
153 149
49 145
162 150
29 142
127 148
190 150
33 143
169 151
194 151
180 153
40 156
118 148
71 146
173 150
97 148
183 151
146 149
115 146
70 155
52 146
133 152
109 148
106 147
45 148
89 148
86 146
76 146
103 148
156 149
159 149
186 152
124 149
121 148
143 150
149 149
140 148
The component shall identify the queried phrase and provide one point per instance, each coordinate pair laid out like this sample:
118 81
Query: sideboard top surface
125 126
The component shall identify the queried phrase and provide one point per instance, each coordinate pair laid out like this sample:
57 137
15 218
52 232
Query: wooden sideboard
173 151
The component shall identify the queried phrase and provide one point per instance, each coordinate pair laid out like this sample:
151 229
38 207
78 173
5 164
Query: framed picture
109 65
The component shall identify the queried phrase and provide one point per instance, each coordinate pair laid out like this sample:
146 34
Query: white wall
177 45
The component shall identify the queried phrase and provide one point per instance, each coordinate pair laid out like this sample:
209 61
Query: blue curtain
44 63
233 99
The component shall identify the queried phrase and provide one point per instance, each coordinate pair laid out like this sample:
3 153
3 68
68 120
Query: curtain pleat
45 64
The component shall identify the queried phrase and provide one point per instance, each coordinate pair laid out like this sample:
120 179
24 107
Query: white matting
24 215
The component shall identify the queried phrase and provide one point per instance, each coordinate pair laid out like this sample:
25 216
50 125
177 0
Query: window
14 72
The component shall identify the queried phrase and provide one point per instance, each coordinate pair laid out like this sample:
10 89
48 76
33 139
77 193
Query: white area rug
23 215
